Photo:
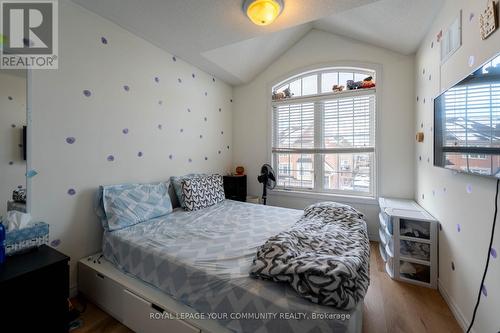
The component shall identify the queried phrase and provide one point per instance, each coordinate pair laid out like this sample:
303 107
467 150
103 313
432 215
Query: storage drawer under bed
138 312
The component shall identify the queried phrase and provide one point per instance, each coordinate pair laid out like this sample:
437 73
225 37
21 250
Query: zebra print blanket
324 256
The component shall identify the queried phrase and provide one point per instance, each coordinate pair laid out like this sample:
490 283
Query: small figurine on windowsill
282 94
337 88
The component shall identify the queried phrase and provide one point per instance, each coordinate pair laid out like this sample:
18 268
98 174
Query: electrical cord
487 260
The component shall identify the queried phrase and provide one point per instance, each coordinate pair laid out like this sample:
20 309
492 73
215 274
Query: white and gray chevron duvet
202 192
324 256
202 258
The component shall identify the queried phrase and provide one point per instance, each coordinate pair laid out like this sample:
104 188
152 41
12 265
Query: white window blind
326 142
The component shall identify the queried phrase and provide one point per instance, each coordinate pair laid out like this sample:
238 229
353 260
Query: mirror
13 133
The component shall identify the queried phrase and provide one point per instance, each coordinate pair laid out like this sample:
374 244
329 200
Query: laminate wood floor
390 307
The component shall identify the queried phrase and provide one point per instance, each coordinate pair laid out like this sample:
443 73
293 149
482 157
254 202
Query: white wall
251 114
12 120
443 193
61 111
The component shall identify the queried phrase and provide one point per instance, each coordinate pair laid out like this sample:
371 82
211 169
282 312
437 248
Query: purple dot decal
201 136
110 158
424 100
179 80
188 110
139 154
206 158
213 79
484 290
452 266
430 77
87 93
160 102
104 41
222 132
459 227
493 253
11 162
126 88
174 58
193 75
423 196
471 16
125 131
13 125
468 188
190 160
206 94
71 191
420 158
205 118
182 130
170 156
55 243
157 79
70 140
160 126
444 189
220 110
10 98
228 147
219 152
433 193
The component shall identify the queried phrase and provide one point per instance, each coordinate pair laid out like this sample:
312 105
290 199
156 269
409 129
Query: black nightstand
34 289
235 187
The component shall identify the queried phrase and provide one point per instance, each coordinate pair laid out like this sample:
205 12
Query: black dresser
34 289
235 187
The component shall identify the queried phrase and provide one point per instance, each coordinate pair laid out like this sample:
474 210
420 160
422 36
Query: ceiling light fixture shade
263 12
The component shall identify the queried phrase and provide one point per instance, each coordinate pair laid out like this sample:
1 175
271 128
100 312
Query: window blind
339 125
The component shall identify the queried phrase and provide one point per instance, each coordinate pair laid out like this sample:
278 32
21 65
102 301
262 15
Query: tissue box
33 235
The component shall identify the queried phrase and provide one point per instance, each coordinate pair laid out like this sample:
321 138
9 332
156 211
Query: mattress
202 259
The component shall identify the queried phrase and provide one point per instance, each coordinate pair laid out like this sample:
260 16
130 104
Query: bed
202 260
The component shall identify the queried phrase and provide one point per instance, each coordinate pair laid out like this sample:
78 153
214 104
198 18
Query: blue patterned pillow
128 204
177 184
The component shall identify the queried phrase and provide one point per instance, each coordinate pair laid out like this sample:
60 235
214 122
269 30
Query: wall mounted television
467 123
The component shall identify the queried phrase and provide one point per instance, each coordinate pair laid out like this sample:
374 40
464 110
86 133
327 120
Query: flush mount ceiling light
263 12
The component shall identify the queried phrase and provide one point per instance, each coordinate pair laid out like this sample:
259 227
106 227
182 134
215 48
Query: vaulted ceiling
216 36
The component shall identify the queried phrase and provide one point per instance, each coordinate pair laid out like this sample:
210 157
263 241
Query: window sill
325 196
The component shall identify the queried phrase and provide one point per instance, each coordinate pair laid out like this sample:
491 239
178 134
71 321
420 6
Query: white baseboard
459 316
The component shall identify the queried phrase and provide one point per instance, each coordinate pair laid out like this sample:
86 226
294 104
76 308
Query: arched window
324 131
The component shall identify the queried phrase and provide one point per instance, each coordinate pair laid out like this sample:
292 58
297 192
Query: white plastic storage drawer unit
408 242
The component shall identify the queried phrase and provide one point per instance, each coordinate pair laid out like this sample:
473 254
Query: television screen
467 123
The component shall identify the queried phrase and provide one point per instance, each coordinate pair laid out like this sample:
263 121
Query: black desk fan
268 179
